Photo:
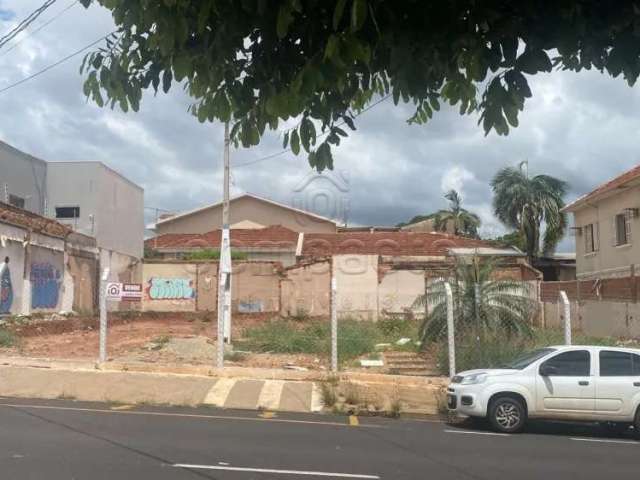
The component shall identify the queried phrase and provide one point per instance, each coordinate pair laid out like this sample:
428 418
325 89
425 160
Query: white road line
469 432
270 470
316 398
603 440
182 415
269 398
219 392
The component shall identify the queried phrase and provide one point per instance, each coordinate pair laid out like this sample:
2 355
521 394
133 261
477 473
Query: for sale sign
131 292
114 291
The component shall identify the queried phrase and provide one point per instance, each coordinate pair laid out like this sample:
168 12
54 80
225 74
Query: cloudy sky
580 127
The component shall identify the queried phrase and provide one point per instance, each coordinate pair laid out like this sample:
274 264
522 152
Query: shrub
213 254
7 338
329 397
495 349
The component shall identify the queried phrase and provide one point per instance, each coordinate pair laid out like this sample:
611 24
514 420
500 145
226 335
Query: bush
355 337
213 254
7 338
496 349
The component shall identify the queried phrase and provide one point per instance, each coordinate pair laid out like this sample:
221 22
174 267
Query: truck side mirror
547 370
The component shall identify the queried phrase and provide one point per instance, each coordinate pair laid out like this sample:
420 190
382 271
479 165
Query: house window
623 228
591 238
16 201
67 212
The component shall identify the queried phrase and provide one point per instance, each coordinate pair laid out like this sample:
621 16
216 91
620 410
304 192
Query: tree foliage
529 205
501 306
462 221
256 63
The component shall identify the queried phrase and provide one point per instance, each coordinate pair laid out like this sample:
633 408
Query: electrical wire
49 67
286 150
25 23
40 27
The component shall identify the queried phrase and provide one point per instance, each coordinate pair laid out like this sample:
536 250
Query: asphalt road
57 440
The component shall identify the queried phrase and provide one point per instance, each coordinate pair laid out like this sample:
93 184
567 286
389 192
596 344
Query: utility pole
224 273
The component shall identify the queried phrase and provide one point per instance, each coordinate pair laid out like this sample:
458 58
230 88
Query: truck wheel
507 415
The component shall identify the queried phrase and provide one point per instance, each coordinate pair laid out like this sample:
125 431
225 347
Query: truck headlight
474 379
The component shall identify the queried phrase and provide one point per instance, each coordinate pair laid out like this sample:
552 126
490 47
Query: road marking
266 414
271 470
270 394
182 415
469 432
316 398
603 440
122 407
353 421
218 394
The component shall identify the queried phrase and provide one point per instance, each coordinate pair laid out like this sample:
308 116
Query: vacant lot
259 340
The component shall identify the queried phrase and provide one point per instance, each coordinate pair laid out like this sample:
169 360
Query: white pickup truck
584 383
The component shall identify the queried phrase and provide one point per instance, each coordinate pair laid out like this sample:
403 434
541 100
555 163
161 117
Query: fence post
103 315
334 326
222 279
567 317
450 331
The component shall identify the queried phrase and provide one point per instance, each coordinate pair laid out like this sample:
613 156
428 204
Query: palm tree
463 221
481 302
525 204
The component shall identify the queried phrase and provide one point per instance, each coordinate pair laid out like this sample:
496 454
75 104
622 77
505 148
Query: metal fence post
103 315
450 331
334 326
567 317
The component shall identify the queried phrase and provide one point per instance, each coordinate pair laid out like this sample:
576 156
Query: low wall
306 290
192 286
597 318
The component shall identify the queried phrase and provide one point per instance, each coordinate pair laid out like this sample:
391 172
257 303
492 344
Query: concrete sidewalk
274 390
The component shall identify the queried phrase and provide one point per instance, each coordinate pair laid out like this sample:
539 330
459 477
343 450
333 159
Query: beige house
607 228
247 211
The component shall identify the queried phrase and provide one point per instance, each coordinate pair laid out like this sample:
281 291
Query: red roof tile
29 220
275 236
385 243
607 187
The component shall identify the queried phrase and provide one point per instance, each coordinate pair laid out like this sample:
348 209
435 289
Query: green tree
255 63
499 306
529 205
461 220
511 239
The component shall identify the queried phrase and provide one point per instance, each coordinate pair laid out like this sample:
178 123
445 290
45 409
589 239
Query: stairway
408 363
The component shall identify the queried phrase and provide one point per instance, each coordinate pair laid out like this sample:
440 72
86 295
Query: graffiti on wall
171 289
45 285
6 289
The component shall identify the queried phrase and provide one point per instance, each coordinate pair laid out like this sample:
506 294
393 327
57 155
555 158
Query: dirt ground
151 338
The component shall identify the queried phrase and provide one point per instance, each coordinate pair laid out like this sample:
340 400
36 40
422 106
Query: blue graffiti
45 283
6 289
171 289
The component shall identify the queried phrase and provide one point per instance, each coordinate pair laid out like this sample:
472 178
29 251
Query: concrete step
417 372
402 361
400 354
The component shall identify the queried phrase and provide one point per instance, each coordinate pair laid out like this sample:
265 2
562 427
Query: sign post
118 292
104 286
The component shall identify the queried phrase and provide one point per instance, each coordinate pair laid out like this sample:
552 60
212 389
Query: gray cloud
579 127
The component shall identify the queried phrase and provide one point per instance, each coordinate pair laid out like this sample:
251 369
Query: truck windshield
528 358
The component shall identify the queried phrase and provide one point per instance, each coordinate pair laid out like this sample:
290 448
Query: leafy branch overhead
256 63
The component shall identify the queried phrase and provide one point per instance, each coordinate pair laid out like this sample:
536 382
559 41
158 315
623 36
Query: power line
286 150
25 23
49 67
43 25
